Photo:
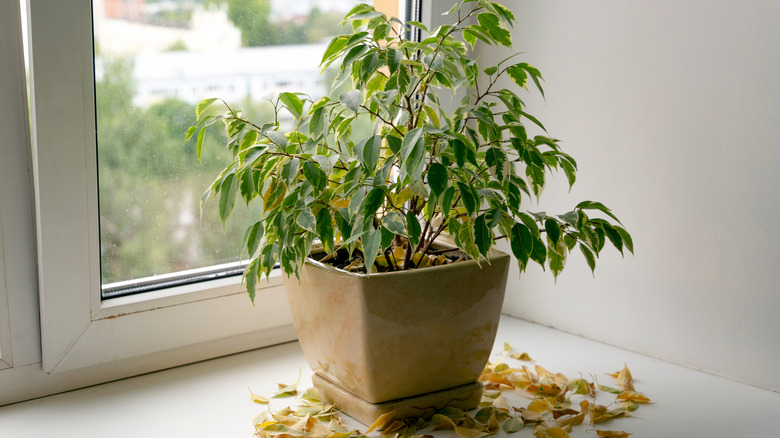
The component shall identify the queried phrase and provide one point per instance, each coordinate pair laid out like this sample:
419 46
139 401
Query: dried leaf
633 396
528 416
550 432
540 405
569 421
583 387
612 433
444 422
557 413
624 379
512 425
258 398
288 390
381 421
501 404
312 395
521 356
495 381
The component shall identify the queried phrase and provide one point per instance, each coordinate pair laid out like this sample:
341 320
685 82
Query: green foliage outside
252 17
150 185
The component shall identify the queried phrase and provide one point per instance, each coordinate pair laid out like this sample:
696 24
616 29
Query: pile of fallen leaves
555 406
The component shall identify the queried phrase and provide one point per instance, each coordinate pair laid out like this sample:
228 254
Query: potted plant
382 204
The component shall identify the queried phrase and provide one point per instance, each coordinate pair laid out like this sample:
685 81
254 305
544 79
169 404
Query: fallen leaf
582 387
288 390
624 379
512 425
495 381
501 404
540 405
257 398
521 356
381 421
633 396
612 433
550 432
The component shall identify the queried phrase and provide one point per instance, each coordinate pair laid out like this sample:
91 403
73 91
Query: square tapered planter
389 337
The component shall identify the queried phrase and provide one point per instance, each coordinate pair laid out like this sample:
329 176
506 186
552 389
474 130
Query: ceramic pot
396 335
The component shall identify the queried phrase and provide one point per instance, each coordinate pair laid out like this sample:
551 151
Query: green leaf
253 237
482 235
293 104
592 205
394 59
469 197
324 229
250 276
351 99
437 178
371 150
627 240
459 150
306 220
553 230
353 54
394 222
413 163
413 227
277 138
518 75
227 196
589 257
557 257
203 106
490 23
374 200
446 200
335 45
474 32
521 243
371 241
466 239
613 235
314 175
539 252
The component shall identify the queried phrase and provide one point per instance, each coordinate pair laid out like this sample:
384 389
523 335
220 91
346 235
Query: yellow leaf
381 421
550 432
612 433
633 396
257 398
539 405
495 381
571 420
521 356
583 387
624 379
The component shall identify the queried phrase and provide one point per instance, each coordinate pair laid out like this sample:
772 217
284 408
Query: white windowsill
211 399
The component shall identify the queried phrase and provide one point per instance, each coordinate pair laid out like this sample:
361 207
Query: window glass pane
154 60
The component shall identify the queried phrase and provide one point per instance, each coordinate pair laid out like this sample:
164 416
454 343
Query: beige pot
391 336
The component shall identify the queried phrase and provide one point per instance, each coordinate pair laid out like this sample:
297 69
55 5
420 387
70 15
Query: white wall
671 109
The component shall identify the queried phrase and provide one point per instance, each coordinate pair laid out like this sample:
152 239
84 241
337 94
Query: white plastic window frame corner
164 328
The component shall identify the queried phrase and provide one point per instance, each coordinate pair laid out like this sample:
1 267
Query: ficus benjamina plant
425 167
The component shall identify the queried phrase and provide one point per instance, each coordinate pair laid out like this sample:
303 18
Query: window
84 339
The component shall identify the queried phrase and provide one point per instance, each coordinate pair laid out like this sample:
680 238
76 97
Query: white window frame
6 354
78 329
53 323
